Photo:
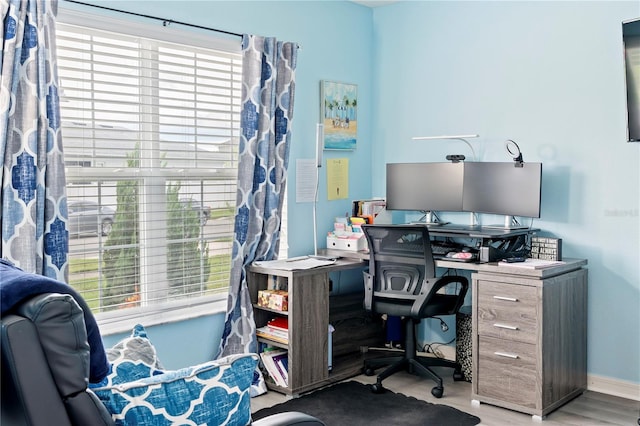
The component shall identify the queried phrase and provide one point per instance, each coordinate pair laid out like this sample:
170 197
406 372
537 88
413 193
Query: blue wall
181 344
548 75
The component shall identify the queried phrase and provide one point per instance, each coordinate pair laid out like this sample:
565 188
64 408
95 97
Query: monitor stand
430 219
510 223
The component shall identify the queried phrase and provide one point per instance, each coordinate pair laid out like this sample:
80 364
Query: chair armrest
59 321
29 393
440 282
289 418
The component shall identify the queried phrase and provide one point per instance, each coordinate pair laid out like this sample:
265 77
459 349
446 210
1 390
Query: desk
529 334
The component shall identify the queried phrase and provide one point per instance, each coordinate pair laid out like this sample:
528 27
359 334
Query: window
150 129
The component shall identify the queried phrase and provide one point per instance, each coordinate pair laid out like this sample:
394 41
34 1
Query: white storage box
350 244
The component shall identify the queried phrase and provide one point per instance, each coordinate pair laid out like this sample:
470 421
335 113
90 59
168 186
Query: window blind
150 132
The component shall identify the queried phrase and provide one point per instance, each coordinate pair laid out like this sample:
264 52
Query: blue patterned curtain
268 86
34 211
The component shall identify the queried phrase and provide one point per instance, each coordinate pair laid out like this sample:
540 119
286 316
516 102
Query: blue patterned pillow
131 359
213 393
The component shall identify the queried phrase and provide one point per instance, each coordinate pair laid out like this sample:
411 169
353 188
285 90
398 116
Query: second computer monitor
503 188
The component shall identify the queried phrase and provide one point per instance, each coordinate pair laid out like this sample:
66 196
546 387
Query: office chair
401 282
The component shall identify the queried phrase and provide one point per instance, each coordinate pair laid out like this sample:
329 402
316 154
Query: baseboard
615 387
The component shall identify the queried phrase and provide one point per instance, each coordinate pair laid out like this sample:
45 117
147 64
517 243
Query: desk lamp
462 138
455 158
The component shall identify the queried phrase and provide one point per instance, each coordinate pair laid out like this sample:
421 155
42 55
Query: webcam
455 158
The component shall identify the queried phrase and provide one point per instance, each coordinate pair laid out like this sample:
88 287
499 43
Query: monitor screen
502 188
425 186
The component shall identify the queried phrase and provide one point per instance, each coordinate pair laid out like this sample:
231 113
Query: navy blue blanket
17 285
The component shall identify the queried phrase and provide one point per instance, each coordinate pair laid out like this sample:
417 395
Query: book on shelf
283 334
283 365
275 335
279 323
368 209
274 365
278 360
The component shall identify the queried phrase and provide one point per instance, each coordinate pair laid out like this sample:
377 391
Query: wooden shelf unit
308 315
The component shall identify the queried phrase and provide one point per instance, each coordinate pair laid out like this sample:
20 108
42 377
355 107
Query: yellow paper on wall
337 178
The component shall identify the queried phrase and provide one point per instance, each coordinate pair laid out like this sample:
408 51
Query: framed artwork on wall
339 115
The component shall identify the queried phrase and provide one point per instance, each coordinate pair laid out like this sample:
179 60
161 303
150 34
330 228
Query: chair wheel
368 371
437 392
457 376
377 388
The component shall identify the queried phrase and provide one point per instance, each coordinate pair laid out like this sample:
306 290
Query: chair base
420 366
411 362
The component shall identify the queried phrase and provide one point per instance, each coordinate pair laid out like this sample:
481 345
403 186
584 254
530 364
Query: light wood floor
589 409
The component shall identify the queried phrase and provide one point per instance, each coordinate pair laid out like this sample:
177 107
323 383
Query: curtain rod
165 22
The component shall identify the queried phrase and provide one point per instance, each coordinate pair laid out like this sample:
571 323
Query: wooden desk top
340 264
489 267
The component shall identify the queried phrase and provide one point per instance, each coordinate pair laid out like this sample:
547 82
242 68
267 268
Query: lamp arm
452 137
473 151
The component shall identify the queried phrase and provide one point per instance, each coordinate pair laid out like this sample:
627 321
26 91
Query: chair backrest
401 279
404 241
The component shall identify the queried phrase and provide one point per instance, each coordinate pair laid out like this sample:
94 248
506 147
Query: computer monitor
503 188
426 187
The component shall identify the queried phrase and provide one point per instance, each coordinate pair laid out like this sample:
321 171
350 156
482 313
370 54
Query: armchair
46 362
401 282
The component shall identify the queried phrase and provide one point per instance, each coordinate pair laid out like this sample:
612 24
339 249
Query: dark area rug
353 404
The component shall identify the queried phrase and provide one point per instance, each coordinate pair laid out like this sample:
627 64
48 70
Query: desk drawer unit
508 311
507 370
529 340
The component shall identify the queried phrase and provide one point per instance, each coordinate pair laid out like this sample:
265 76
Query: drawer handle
507 355
509 327
508 299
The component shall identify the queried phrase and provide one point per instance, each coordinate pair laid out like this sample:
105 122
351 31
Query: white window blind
150 133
